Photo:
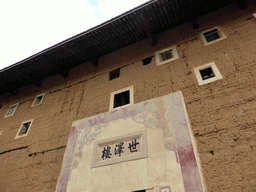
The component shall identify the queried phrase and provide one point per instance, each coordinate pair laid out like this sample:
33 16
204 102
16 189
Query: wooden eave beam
242 4
37 83
195 24
146 27
13 92
63 72
95 61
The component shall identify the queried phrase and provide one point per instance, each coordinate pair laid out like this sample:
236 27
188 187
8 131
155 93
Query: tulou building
159 99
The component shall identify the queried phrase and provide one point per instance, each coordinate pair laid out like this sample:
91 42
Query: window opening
24 128
207 73
147 60
121 99
114 74
140 191
166 55
212 35
11 110
38 100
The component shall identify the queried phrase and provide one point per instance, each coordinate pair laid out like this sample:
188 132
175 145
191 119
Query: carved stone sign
119 149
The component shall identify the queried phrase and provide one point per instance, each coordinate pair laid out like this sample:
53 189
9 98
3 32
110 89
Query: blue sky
30 26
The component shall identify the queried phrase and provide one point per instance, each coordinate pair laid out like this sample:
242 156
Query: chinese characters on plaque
120 149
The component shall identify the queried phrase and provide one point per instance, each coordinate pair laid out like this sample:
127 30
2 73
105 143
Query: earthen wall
222 113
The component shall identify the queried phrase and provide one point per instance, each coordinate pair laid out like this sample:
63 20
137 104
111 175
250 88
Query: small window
147 60
11 110
212 35
24 129
38 100
166 55
207 73
121 98
114 74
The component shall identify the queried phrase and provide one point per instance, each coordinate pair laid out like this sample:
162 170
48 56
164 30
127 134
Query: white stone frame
1 132
254 15
139 155
215 71
112 96
220 32
174 53
36 98
7 113
24 135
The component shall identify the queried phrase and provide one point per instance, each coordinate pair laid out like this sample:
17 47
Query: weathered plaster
171 156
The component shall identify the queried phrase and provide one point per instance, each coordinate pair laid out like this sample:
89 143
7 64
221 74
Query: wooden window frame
158 55
112 97
220 32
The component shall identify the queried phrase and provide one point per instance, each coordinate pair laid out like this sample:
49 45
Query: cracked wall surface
222 113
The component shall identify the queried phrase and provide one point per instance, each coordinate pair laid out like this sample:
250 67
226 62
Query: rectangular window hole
166 55
114 74
24 128
207 73
147 60
121 99
212 35
140 191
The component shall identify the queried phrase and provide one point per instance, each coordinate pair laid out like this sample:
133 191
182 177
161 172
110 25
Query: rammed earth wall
222 113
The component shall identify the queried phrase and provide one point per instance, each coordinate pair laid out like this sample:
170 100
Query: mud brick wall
222 113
